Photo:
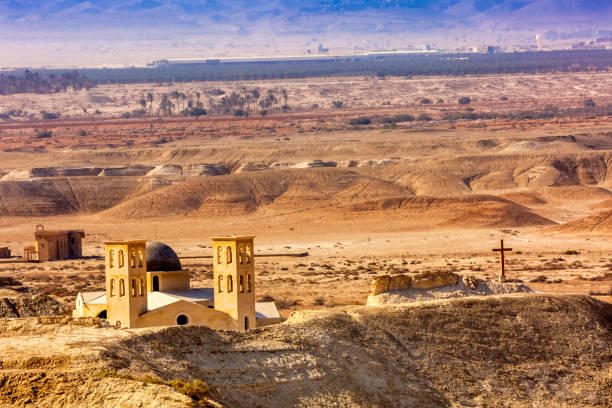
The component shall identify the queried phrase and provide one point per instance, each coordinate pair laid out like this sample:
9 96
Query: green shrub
423 117
338 104
571 252
43 134
362 120
425 101
197 111
464 100
49 115
216 92
405 117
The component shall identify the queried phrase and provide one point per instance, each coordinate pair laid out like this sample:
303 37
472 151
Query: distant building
323 50
56 244
539 42
5 252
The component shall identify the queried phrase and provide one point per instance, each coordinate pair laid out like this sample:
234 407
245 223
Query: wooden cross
501 250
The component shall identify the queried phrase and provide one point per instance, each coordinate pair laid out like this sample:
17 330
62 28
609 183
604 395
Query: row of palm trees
239 103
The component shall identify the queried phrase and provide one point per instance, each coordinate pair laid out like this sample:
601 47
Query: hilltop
518 350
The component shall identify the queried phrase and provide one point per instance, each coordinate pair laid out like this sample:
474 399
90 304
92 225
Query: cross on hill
501 250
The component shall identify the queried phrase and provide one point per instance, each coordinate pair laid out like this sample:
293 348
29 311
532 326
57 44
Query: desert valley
357 178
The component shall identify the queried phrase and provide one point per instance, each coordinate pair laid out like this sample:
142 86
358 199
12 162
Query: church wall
197 315
89 310
176 280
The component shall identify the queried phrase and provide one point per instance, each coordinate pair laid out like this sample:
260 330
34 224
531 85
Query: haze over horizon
76 33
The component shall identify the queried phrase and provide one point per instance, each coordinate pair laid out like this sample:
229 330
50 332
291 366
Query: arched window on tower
134 288
219 254
249 254
111 259
228 255
121 287
133 258
241 254
220 284
112 287
141 287
249 283
230 284
140 258
121 260
241 284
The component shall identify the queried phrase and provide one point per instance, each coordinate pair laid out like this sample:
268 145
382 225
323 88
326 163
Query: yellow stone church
146 287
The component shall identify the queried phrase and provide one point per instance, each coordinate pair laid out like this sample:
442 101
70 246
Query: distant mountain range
108 32
347 15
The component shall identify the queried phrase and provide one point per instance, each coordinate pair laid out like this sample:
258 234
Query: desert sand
361 200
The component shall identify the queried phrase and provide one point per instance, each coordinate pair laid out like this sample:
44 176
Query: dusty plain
362 200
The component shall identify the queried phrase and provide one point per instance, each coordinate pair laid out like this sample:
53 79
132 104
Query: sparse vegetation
464 100
49 115
43 134
362 120
34 82
398 118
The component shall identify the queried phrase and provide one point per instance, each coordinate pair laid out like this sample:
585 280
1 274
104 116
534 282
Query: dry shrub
196 390
6 281
286 303
319 301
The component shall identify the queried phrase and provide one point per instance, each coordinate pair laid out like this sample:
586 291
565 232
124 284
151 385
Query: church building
146 287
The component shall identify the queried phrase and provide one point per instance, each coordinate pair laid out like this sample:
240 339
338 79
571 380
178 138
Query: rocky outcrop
19 301
428 280
424 280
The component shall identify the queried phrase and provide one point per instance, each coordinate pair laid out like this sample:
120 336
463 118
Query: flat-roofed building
58 244
5 252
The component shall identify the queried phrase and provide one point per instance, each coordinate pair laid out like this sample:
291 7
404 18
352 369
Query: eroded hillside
519 351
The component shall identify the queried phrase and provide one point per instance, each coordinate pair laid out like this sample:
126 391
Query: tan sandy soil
516 350
362 201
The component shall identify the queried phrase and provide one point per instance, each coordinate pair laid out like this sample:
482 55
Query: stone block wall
424 280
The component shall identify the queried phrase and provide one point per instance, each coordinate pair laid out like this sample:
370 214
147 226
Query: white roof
192 295
266 310
155 300
94 298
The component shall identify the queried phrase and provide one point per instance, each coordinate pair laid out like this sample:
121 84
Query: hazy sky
134 32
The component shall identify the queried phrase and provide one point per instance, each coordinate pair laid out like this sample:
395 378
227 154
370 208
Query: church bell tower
126 274
234 279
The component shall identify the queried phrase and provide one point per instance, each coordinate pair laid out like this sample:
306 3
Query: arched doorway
102 314
246 323
156 284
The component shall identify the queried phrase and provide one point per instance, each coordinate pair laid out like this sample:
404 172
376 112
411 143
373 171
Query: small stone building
57 244
5 252
146 287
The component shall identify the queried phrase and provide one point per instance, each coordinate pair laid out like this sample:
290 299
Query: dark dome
160 257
